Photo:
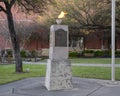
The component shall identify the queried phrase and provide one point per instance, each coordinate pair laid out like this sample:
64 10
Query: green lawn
94 60
7 73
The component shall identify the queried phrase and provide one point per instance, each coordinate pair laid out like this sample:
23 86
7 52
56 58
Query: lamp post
113 42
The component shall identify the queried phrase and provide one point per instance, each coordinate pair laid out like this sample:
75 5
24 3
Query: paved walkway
81 87
77 64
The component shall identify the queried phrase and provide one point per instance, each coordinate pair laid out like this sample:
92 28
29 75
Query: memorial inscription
60 38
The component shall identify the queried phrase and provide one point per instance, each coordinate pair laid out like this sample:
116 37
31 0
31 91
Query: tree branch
12 3
2 9
93 27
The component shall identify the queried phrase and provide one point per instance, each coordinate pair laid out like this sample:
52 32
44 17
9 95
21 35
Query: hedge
98 53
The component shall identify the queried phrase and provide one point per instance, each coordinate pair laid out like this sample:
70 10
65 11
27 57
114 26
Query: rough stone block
58 75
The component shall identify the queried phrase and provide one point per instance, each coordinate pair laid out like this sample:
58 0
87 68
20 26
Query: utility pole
113 42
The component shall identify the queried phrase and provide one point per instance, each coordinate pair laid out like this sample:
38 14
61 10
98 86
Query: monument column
58 71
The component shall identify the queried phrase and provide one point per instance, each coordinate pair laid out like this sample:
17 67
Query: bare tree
37 6
24 29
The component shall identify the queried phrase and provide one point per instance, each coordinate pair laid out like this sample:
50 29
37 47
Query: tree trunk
15 43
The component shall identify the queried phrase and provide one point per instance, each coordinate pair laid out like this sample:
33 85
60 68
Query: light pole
113 42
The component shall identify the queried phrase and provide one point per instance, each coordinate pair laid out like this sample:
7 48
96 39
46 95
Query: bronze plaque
60 38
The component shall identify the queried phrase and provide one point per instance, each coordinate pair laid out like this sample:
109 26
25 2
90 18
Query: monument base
58 75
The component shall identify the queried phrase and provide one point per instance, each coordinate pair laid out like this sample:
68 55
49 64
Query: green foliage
9 53
107 53
23 53
99 53
88 51
29 54
6 52
73 54
117 53
103 53
33 53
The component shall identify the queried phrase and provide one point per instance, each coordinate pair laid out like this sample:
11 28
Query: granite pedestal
58 72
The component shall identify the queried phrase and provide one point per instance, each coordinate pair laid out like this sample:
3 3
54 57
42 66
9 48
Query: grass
95 72
94 60
7 73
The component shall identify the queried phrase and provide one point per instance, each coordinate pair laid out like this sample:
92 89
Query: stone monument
58 71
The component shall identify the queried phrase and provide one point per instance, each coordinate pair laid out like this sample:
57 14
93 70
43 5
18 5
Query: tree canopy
86 17
87 12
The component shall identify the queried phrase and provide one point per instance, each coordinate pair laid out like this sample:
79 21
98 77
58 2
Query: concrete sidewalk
81 87
75 64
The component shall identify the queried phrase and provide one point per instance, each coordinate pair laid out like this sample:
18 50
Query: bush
9 53
103 53
73 54
93 53
117 53
23 53
107 53
6 52
99 53
33 53
88 51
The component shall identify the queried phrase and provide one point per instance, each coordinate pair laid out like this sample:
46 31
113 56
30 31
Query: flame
62 15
